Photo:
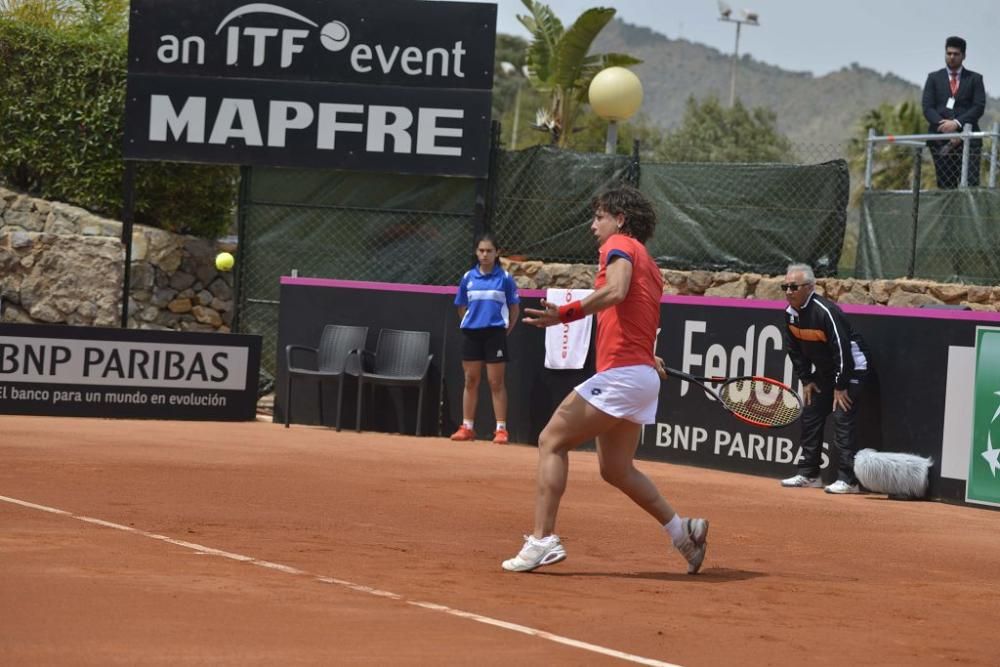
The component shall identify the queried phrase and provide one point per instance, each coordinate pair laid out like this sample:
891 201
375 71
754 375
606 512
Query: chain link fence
713 216
342 225
918 221
744 217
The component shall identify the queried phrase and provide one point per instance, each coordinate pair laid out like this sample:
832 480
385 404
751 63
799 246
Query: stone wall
60 264
899 293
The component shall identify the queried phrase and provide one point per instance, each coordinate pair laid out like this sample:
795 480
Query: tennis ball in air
224 261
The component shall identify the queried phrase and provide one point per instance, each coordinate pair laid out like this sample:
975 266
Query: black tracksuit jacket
819 334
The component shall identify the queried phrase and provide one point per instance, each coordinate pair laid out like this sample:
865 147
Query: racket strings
761 402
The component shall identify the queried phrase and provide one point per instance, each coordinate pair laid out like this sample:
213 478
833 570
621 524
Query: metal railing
966 136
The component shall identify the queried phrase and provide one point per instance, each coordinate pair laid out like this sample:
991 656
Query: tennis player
613 405
488 307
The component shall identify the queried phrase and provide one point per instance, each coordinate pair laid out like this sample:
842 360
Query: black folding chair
333 359
401 359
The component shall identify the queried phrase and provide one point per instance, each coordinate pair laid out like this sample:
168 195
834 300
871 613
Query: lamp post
748 18
510 69
615 94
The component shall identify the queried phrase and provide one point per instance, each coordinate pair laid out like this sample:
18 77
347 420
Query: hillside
811 109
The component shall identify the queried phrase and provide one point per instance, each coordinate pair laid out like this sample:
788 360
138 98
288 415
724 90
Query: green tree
94 17
892 166
711 132
559 64
593 131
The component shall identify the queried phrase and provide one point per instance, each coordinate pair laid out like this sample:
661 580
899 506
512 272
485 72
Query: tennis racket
757 400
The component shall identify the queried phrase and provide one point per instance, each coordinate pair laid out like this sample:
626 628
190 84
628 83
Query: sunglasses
791 287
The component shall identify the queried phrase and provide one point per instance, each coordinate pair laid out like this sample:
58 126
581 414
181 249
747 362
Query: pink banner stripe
710 301
357 284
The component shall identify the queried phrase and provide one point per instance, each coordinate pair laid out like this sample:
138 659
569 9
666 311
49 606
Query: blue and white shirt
486 298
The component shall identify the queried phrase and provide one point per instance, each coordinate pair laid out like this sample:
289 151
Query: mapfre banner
393 85
94 372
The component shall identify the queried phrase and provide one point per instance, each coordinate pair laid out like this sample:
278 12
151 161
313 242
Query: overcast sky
904 37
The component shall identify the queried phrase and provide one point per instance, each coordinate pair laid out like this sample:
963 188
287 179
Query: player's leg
813 421
616 451
574 422
470 395
845 430
496 369
472 367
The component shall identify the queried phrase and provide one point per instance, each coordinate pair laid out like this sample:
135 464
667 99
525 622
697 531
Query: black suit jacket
970 100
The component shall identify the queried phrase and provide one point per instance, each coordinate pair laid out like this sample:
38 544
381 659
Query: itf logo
984 463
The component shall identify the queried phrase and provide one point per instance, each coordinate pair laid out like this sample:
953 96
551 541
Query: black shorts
489 345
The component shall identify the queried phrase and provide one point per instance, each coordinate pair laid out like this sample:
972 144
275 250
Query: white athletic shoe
804 482
535 553
694 544
842 487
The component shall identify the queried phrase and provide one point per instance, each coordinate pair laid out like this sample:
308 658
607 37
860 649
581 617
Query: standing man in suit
954 96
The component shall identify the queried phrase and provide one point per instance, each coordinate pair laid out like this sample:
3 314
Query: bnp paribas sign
383 85
984 464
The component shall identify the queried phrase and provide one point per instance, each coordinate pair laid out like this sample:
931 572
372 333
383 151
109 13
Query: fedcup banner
984 462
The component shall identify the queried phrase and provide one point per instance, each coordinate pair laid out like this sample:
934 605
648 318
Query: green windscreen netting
420 229
356 226
957 236
543 201
748 217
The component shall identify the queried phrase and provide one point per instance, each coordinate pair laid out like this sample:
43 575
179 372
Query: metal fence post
918 154
869 155
633 172
993 154
128 218
966 131
242 247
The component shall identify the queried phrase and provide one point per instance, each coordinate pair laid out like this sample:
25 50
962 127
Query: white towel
566 345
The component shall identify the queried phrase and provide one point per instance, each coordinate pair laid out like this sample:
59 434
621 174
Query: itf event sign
983 486
392 85
95 372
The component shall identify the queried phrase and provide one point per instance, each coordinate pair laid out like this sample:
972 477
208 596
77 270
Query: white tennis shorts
629 392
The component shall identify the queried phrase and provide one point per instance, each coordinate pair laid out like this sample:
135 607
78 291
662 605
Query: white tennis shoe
535 553
803 482
842 487
694 544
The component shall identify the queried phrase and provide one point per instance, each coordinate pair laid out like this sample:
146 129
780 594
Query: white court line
209 551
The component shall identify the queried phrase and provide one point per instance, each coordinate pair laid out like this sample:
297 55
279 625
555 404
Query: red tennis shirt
626 333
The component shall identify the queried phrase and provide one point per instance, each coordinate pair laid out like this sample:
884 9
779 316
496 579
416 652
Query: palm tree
893 164
558 64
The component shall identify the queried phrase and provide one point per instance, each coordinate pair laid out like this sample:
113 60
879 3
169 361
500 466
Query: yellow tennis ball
224 261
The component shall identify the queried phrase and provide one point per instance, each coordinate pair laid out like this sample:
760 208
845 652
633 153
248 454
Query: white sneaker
694 544
804 482
841 487
535 553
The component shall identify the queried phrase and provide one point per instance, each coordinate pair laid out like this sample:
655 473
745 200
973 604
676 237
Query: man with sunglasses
832 363
953 97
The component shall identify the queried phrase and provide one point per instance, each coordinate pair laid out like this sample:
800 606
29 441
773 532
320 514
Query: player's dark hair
640 218
488 237
955 43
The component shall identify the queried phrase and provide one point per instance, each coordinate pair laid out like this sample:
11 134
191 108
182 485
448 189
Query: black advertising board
394 85
292 124
919 399
127 373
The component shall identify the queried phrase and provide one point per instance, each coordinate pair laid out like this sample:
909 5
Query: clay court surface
188 543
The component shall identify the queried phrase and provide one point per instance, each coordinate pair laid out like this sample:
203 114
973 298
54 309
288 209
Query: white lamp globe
615 93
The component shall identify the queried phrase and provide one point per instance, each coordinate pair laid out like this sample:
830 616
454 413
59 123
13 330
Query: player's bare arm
515 312
614 291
